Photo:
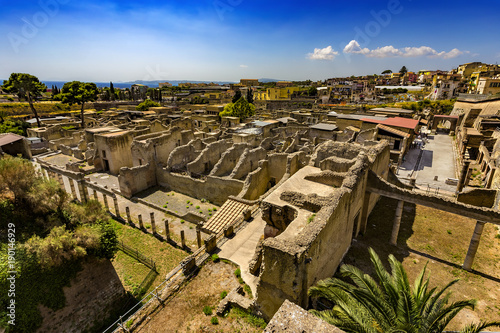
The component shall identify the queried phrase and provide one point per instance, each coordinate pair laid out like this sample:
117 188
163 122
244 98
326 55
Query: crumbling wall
136 179
183 155
257 182
70 141
369 134
215 189
248 162
228 160
209 156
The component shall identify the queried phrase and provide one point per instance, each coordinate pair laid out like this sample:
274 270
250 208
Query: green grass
132 272
248 317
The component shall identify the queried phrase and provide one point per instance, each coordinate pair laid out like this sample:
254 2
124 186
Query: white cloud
353 47
391 51
323 54
243 66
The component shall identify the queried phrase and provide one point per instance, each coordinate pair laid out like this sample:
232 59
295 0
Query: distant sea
151 84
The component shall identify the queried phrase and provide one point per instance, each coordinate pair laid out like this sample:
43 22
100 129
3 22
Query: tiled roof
393 131
230 211
401 122
7 138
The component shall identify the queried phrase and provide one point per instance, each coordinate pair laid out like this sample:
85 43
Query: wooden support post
153 224
474 244
364 212
117 209
167 231
141 225
397 222
198 237
183 239
127 211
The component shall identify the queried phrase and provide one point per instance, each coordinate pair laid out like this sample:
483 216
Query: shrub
215 258
144 106
237 272
197 207
223 294
214 320
248 290
182 221
207 310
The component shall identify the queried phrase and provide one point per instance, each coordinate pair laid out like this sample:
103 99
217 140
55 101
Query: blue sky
225 40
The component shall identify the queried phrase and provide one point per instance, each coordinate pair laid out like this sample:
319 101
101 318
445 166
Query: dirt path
184 312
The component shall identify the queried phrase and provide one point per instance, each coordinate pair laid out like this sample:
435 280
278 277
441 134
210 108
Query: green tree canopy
241 109
389 304
236 96
403 70
144 106
25 85
249 95
387 71
77 92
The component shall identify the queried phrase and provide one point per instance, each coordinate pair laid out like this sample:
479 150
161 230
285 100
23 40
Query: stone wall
94 294
228 160
248 162
295 260
208 157
215 189
136 179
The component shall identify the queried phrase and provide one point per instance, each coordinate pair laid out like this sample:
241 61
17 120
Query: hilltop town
285 181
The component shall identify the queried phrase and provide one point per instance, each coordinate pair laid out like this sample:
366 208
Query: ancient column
141 225
474 244
61 181
105 199
117 209
463 176
397 222
167 231
198 237
153 224
127 211
72 187
183 239
81 189
95 195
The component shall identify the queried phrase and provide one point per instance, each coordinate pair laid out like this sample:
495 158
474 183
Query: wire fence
173 278
134 253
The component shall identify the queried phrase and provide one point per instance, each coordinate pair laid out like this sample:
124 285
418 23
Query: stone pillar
81 189
463 176
397 222
105 200
153 224
141 225
167 231
127 211
474 244
95 195
183 239
364 212
198 237
72 188
61 181
117 209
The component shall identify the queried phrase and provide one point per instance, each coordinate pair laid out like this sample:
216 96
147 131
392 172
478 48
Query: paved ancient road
437 160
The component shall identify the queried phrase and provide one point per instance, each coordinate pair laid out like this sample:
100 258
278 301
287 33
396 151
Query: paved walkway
241 249
437 160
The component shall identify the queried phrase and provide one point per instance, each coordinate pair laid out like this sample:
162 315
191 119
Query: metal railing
172 278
